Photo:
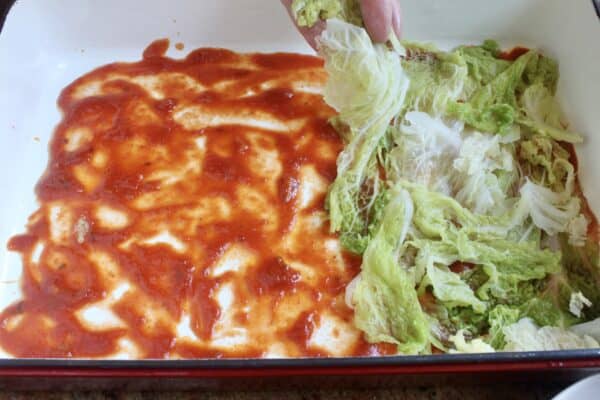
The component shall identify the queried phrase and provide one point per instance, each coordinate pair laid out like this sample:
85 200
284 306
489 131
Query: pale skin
381 17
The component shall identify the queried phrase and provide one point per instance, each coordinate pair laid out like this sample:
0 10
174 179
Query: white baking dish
44 45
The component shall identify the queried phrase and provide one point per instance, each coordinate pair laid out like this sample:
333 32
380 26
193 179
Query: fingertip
397 19
377 16
310 34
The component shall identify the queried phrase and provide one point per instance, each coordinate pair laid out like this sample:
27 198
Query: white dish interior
44 45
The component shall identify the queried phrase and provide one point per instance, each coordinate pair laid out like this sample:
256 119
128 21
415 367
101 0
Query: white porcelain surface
586 389
46 44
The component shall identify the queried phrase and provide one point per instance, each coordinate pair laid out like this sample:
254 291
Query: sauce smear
513 54
181 216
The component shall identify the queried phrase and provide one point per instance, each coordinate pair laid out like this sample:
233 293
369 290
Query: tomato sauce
513 54
175 199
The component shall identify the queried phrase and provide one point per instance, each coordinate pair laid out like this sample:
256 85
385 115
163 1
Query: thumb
380 17
310 34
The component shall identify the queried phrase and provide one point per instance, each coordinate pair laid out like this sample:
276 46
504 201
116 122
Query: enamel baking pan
44 45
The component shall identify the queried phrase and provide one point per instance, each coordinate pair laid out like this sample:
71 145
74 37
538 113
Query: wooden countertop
491 392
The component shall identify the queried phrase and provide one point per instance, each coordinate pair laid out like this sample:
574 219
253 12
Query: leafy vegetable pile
457 187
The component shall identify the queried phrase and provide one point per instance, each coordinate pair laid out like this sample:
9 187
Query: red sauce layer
164 145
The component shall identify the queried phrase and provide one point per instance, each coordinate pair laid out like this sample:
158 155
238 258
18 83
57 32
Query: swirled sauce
182 216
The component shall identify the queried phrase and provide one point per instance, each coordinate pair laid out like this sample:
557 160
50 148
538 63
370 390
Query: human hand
380 18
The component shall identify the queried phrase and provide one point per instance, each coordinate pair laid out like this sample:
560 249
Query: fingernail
397 19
